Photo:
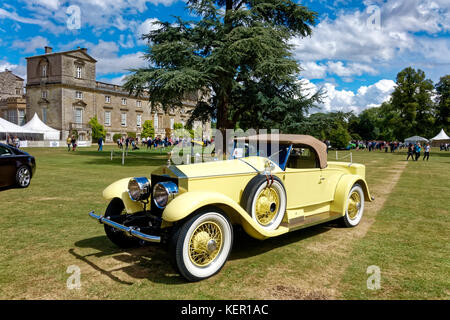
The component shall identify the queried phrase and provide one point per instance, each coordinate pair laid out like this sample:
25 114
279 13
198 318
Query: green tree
147 129
236 56
97 129
411 106
443 103
177 126
339 137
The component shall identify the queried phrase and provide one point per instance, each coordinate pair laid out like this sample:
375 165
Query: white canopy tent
415 139
442 137
10 129
36 125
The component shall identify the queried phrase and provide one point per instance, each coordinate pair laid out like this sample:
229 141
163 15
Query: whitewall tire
202 244
354 207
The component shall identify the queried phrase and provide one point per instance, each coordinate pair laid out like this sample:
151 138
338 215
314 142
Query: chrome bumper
129 230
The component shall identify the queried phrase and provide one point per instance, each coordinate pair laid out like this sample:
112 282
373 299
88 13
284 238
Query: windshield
276 153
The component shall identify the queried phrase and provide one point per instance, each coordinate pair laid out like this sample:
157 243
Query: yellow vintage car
193 208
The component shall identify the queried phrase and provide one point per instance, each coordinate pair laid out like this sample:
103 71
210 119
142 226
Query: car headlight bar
139 188
163 193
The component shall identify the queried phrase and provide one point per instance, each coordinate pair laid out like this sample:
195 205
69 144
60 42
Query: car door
304 182
7 167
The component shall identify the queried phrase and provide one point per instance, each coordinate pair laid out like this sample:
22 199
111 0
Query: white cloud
145 28
346 100
30 45
313 70
109 61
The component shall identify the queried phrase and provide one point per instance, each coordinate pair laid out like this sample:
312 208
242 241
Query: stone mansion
62 89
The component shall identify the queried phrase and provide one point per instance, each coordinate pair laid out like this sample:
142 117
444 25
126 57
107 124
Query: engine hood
249 165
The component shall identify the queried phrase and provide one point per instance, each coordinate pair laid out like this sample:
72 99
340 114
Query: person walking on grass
418 149
426 153
100 144
410 152
74 143
69 142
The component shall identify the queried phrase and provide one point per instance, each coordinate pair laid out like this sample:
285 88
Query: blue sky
356 50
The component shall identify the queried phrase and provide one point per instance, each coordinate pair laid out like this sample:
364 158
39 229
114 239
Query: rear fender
343 189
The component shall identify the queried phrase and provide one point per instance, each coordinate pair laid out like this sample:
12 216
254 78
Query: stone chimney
48 50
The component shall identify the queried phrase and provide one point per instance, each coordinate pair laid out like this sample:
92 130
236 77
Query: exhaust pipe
129 230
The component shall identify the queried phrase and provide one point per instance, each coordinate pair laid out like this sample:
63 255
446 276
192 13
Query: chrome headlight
163 193
139 188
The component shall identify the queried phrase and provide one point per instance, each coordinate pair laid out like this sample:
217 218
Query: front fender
343 189
189 202
119 189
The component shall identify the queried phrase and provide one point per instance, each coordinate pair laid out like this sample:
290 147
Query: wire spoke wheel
267 205
205 244
202 244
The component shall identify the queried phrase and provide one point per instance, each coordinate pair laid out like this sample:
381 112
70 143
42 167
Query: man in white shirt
427 152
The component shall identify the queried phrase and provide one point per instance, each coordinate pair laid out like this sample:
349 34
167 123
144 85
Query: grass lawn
405 232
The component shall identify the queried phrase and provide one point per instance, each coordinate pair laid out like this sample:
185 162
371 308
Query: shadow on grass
152 261
149 261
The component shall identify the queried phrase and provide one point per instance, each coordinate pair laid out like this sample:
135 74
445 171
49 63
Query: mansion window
21 117
172 122
78 72
155 121
18 91
107 118
124 101
138 104
44 94
107 99
78 115
139 120
44 115
79 95
123 119
12 116
44 70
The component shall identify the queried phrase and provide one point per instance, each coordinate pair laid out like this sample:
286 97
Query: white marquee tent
415 139
442 137
36 125
10 129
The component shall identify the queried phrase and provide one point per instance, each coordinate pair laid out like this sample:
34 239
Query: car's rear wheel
23 177
354 208
115 209
201 245
265 201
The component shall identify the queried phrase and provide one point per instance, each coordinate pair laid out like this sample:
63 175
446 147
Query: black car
16 167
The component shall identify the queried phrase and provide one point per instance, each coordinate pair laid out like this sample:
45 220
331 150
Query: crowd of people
13 142
149 143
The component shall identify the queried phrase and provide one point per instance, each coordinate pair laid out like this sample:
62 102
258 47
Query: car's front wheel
115 209
202 244
355 206
23 177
